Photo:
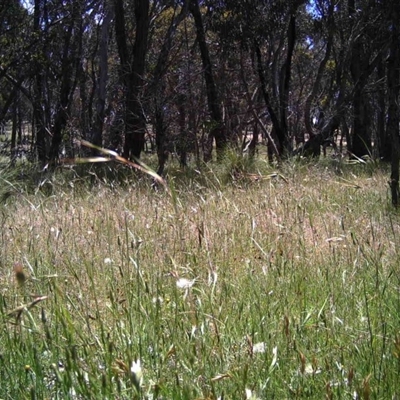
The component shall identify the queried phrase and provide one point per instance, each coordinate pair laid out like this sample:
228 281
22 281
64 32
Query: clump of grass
9 185
285 289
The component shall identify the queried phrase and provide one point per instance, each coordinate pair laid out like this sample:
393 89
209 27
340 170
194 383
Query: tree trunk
285 76
135 124
383 139
278 133
316 86
14 130
359 65
279 114
393 82
158 88
38 87
217 130
97 130
70 58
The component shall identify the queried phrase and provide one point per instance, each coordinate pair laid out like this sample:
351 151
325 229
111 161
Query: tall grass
276 285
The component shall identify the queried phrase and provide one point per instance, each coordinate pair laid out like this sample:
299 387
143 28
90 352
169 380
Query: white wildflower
137 374
250 395
259 347
308 370
184 283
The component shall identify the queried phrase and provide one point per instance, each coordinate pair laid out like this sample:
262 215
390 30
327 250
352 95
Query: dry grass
303 264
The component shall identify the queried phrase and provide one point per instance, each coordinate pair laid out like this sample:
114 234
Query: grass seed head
19 274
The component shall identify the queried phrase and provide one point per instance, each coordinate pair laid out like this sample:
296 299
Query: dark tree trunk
135 124
97 130
38 88
361 141
383 139
254 140
359 65
183 140
158 88
278 114
8 103
278 133
217 125
285 76
14 129
316 86
161 133
393 82
69 66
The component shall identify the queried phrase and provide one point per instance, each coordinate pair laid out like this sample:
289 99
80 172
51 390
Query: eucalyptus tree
368 39
15 24
169 18
266 31
99 65
217 130
132 54
66 60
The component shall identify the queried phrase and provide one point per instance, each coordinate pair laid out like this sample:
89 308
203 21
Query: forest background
179 77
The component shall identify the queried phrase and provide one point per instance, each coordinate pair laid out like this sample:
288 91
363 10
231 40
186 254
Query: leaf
220 377
17 312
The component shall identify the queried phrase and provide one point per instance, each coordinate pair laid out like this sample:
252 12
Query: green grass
271 285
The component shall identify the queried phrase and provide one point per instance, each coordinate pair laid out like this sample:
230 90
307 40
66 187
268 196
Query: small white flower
137 374
250 395
308 369
157 300
136 368
259 347
184 283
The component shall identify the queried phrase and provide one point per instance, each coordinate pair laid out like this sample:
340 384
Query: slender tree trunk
316 86
14 130
285 76
161 133
383 140
359 64
97 130
70 62
361 143
254 140
278 133
60 120
217 125
38 87
158 87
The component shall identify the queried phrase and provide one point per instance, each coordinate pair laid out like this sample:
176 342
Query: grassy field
279 285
